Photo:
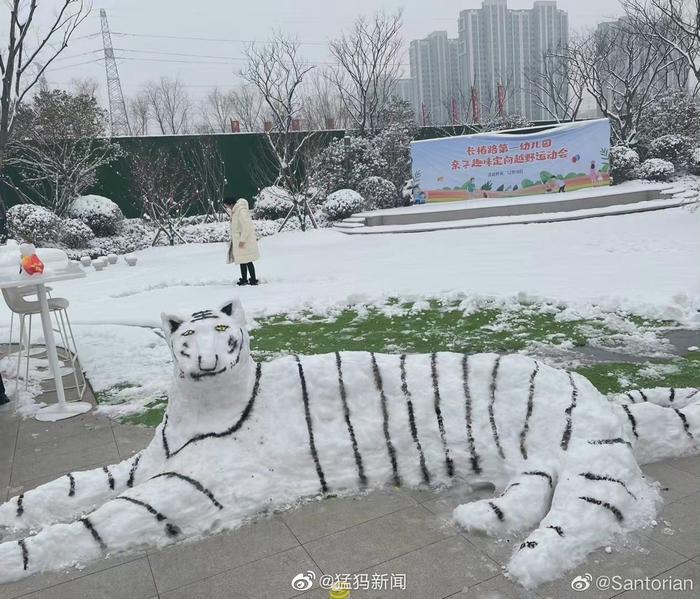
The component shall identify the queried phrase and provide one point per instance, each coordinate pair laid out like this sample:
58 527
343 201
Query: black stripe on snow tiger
239 438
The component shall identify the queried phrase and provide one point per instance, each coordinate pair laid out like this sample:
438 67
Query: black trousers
248 271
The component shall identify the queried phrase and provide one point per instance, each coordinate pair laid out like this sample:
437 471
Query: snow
343 203
87 205
356 226
660 189
644 263
239 439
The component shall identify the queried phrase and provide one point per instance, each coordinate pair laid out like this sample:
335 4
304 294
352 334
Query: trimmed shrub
133 235
343 203
215 232
75 233
332 172
695 161
656 169
378 192
272 202
673 148
623 163
27 222
506 121
674 112
101 214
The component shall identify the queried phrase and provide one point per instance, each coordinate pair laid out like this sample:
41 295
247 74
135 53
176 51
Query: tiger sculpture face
209 347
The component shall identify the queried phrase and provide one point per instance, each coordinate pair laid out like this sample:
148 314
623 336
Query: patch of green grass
447 325
151 417
610 377
441 327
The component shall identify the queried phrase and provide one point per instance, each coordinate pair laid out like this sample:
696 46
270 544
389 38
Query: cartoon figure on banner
593 173
240 438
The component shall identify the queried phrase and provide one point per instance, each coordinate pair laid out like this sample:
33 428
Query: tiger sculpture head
209 346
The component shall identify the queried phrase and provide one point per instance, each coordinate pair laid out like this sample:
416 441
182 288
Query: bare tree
623 72
247 107
139 108
369 58
558 87
277 72
170 105
30 50
85 86
217 109
674 23
58 148
206 166
163 187
323 107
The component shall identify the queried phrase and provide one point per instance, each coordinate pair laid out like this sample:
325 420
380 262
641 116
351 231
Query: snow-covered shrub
673 113
655 169
215 232
623 163
332 170
505 121
673 148
75 233
694 164
28 222
378 192
265 228
101 214
133 235
272 202
392 144
343 203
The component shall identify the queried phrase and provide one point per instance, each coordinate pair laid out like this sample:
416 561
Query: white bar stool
18 304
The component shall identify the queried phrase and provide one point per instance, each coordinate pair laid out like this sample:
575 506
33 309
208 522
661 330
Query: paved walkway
389 532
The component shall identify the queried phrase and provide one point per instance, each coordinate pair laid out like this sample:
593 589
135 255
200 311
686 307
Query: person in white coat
243 247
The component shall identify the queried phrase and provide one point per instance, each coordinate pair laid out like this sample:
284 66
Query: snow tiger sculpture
240 437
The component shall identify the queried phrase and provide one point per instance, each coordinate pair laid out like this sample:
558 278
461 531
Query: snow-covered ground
646 263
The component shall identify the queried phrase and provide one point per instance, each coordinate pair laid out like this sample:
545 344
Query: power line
209 39
77 64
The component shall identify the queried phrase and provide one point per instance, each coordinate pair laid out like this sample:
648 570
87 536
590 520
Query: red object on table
32 265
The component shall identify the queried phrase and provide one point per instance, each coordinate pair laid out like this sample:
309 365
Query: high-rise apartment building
486 70
434 76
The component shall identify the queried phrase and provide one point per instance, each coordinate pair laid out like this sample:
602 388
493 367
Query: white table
62 409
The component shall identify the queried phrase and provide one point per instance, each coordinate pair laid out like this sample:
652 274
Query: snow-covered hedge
506 121
343 203
101 214
379 193
272 202
75 233
206 232
28 222
695 161
623 163
675 149
338 166
655 169
674 112
133 235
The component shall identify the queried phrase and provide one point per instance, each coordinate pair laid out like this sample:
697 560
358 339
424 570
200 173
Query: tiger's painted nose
208 365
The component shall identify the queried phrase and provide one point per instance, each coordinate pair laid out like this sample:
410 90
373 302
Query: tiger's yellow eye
188 333
221 327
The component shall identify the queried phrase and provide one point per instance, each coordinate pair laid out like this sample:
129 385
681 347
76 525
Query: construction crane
118 117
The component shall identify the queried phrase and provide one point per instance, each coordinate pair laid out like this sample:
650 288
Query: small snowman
31 264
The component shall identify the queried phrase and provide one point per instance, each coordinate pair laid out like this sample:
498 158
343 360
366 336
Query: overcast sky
204 63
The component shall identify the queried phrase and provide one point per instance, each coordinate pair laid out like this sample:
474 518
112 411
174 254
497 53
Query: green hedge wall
242 154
